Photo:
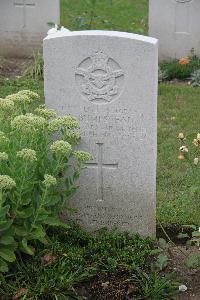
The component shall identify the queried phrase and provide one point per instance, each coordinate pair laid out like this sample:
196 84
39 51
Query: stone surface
176 23
108 80
23 25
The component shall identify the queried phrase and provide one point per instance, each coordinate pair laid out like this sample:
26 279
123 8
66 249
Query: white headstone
176 23
108 80
24 24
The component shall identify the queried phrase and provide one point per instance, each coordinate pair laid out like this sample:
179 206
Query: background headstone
108 80
23 25
176 23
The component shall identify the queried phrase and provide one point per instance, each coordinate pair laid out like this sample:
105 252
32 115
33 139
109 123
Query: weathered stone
108 80
24 24
176 23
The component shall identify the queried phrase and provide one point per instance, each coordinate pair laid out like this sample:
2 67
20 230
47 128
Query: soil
113 287
186 276
116 286
13 67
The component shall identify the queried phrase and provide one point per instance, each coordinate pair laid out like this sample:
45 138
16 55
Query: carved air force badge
100 78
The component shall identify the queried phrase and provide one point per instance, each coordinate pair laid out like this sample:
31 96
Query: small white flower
181 136
182 288
198 136
195 142
63 29
196 160
52 30
49 181
184 149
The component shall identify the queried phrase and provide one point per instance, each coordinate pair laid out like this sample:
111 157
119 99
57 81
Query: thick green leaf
162 261
37 233
196 233
26 213
70 192
183 235
155 251
162 243
7 240
193 261
52 201
44 240
26 201
42 215
25 248
7 253
4 225
3 266
20 231
3 211
56 222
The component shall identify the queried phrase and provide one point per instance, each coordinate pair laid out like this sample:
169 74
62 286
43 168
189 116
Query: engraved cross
24 4
100 166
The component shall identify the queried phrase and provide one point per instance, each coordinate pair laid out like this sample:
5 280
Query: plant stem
170 240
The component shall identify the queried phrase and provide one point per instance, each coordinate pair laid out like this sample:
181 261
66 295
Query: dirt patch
115 287
186 276
13 67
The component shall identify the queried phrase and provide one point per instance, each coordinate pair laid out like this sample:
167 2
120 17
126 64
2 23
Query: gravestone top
24 24
108 33
108 80
176 24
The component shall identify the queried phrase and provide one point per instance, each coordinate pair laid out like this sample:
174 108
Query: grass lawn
177 112
121 15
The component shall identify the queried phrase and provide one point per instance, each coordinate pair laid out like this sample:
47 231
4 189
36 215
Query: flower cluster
49 181
71 136
69 122
196 141
184 61
6 105
82 156
23 97
3 156
184 149
27 154
45 112
3 138
66 122
28 122
32 95
17 98
61 147
6 182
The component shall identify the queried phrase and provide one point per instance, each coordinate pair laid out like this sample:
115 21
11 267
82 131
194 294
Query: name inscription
108 216
118 123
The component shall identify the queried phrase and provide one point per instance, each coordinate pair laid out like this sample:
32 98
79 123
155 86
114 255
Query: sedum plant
162 75
195 78
38 169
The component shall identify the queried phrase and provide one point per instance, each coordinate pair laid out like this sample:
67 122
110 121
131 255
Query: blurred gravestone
176 23
108 80
24 24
